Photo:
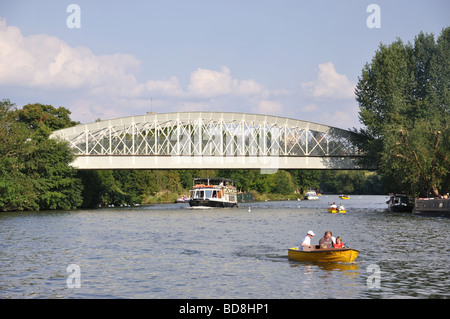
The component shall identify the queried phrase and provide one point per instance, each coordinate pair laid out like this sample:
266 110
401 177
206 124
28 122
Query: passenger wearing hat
307 240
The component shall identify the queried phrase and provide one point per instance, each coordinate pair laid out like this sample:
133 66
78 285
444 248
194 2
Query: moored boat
183 199
213 192
399 203
323 255
311 195
432 206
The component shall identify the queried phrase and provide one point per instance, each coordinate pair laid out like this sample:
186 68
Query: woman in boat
339 243
307 240
341 207
326 242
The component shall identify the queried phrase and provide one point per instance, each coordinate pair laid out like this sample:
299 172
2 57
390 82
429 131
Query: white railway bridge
209 140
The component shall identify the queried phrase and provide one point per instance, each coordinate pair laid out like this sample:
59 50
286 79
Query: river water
171 251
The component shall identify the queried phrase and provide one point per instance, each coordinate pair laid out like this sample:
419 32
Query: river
171 251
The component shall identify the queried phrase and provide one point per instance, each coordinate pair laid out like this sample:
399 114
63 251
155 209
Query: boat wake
260 252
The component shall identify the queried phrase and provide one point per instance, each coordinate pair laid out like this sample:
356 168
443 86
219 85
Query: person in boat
339 243
341 207
333 206
307 240
325 242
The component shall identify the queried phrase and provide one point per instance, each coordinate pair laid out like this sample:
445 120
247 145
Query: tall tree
34 169
17 190
404 102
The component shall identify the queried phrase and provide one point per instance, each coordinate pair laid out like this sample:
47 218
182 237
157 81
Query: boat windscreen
208 193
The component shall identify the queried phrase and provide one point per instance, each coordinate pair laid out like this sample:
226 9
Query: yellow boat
334 210
323 255
344 197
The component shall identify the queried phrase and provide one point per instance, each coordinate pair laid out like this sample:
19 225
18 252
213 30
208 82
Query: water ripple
166 251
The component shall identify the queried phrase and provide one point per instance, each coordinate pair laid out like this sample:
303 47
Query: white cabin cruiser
213 192
311 195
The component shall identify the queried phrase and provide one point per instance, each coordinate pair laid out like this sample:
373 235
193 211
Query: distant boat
311 195
344 196
183 199
323 255
336 210
398 203
213 192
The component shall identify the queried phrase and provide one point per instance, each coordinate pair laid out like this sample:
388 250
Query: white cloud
209 83
43 61
157 88
329 84
106 86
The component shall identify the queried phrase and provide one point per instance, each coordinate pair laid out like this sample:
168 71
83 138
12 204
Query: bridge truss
203 140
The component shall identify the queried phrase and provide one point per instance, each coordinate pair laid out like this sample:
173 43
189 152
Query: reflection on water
347 268
169 251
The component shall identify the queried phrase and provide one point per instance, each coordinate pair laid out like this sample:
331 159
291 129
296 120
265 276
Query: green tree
306 179
34 170
16 188
37 115
404 101
281 182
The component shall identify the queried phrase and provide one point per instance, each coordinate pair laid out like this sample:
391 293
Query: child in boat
339 243
341 207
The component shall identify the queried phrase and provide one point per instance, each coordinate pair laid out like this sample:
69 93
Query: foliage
404 99
38 115
35 172
351 182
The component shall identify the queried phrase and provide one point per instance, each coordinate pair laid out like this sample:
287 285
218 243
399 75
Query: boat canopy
213 181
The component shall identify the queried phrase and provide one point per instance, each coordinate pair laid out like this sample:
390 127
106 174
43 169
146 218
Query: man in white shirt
307 240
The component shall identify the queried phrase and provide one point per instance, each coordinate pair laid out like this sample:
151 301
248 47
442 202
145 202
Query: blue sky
299 59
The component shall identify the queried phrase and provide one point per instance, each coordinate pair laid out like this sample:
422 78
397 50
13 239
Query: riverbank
167 197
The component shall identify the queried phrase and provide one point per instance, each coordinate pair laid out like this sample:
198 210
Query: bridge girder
185 140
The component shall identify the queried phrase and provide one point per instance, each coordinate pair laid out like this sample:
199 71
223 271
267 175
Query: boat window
199 194
208 193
